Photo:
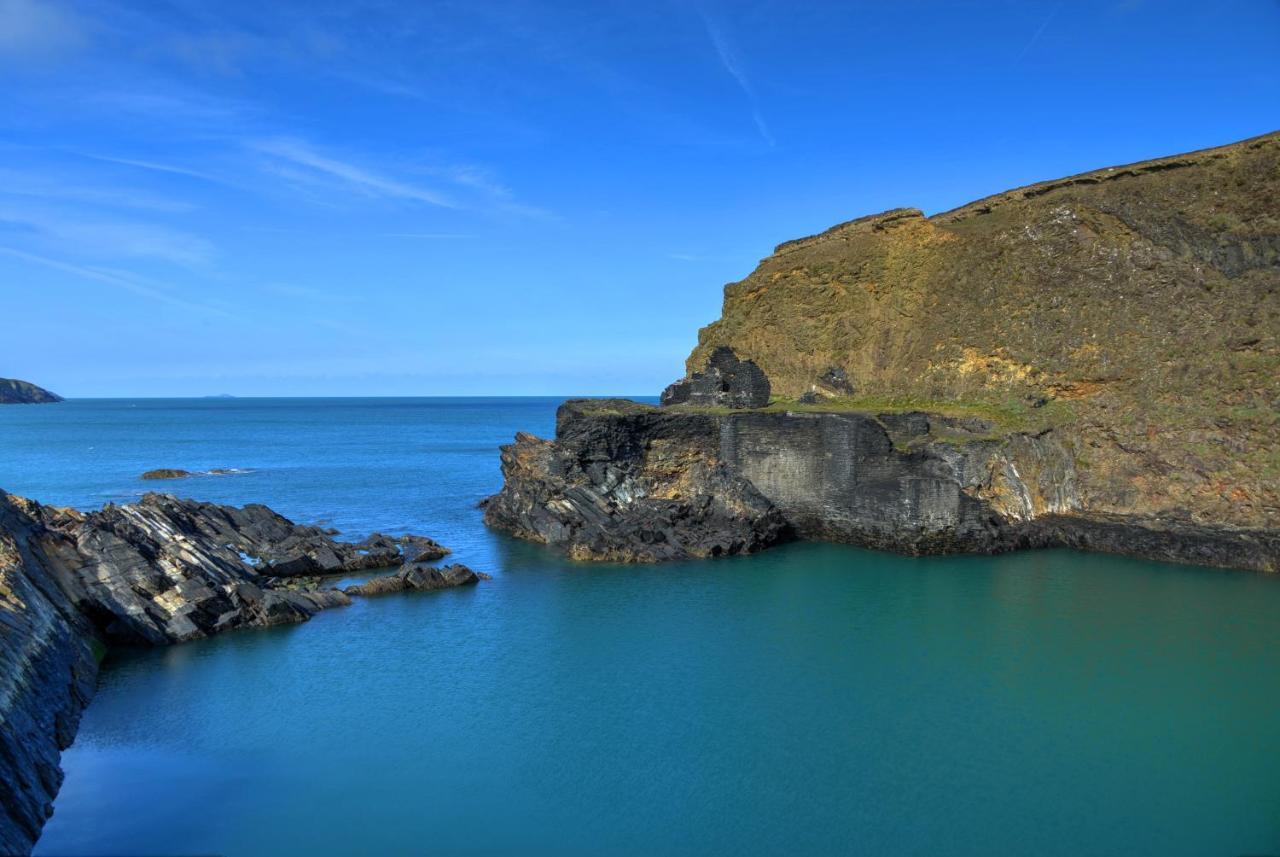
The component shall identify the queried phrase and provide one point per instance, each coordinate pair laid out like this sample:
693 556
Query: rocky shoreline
156 572
629 482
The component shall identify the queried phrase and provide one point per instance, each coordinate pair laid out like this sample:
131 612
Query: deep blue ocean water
815 699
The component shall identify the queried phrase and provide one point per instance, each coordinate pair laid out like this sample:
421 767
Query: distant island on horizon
15 392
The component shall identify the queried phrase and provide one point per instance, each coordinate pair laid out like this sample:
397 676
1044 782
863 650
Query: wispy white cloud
496 195
361 179
729 59
107 238
116 278
1035 37
38 31
69 189
153 166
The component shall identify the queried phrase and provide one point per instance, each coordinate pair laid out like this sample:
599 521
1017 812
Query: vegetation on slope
1139 306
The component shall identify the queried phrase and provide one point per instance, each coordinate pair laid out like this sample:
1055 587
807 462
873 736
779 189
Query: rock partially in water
419 548
159 571
177 473
416 577
726 382
165 570
167 473
631 483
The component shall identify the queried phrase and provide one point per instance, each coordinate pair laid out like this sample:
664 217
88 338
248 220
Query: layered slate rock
631 483
159 571
165 570
47 676
725 382
624 481
15 392
416 577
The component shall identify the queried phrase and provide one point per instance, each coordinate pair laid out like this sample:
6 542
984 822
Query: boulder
167 473
416 577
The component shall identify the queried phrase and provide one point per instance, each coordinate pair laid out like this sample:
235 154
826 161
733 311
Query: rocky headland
15 392
1090 362
155 572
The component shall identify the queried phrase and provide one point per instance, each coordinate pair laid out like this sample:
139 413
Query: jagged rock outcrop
1138 306
630 483
725 382
415 577
159 571
15 392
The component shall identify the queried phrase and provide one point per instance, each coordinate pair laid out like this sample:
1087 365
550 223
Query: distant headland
15 392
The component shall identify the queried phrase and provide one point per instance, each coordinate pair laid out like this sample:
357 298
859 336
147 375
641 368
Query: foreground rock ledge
159 571
629 482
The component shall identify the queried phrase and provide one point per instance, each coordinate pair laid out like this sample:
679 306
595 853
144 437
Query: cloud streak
118 279
155 167
365 181
729 59
110 238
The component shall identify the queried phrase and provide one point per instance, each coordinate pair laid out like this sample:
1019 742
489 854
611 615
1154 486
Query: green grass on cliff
1008 416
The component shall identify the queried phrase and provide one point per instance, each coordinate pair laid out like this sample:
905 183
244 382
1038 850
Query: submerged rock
419 578
726 382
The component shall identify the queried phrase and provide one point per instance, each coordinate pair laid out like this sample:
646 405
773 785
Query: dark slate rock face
623 481
415 577
15 392
630 483
727 382
158 571
47 676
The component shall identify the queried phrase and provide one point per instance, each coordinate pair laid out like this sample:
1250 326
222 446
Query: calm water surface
814 699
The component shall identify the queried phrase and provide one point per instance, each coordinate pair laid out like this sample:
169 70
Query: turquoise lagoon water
814 699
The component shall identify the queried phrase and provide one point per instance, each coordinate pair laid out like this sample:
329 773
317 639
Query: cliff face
1138 307
47 675
15 392
634 483
158 571
630 483
1092 361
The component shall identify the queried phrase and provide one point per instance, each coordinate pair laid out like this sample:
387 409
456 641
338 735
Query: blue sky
380 198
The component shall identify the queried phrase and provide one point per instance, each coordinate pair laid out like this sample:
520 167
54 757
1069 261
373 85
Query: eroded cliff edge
629 482
1092 361
155 572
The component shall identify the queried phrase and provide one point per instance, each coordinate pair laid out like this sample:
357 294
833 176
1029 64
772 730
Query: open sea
814 699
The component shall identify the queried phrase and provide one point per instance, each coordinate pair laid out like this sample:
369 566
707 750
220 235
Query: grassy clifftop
1140 305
